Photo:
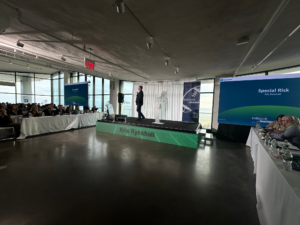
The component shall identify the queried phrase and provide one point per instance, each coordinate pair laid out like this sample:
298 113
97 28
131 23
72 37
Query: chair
7 133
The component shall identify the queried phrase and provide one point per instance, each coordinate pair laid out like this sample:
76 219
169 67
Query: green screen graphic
163 136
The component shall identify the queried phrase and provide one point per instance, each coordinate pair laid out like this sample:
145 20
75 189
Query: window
126 89
206 103
7 83
42 84
285 71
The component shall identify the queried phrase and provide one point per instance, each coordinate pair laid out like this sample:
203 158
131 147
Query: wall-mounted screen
77 94
247 100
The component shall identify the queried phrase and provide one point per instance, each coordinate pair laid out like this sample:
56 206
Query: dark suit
5 121
17 112
139 102
47 112
60 112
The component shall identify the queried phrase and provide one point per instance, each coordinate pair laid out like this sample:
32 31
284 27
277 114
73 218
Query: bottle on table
287 160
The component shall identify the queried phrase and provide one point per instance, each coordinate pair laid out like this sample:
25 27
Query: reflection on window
106 86
10 98
56 100
43 99
91 101
9 85
106 99
127 105
42 84
207 85
91 83
25 83
23 98
98 102
127 87
98 85
62 100
81 77
206 107
285 71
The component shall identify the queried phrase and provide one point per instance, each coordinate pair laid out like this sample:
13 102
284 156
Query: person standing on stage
139 102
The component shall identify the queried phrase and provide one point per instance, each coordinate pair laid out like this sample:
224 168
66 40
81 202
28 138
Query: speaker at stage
120 98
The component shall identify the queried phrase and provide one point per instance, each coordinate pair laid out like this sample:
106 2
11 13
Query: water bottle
29 115
287 160
43 114
266 139
70 113
125 119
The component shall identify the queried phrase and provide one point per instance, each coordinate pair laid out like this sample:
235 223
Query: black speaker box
120 98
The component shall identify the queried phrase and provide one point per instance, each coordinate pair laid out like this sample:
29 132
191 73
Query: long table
277 190
42 125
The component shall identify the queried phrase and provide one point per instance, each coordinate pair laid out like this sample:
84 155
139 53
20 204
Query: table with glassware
48 124
277 186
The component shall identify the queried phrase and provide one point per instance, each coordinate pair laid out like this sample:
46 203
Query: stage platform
171 132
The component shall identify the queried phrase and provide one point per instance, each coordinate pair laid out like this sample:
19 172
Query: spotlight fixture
20 44
63 58
243 40
177 70
10 62
36 57
149 45
120 6
28 66
166 62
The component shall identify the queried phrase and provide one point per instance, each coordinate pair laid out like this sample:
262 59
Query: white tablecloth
277 190
42 125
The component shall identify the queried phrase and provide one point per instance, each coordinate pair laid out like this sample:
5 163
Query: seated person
291 133
60 111
94 109
86 109
77 110
5 121
69 110
277 125
14 111
47 111
34 112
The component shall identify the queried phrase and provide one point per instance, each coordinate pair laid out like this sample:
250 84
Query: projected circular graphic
196 91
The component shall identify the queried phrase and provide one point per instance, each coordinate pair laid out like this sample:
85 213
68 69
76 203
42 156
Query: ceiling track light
120 5
243 40
28 66
175 72
149 45
177 69
63 58
167 62
20 44
10 62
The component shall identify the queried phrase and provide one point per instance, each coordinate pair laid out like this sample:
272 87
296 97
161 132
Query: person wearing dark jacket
60 111
139 102
14 111
47 111
5 121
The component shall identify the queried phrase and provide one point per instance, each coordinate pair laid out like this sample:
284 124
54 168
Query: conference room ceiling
199 36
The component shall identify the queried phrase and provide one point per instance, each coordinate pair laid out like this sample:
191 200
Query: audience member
47 111
14 111
69 110
277 125
6 121
291 133
60 111
77 110
34 112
